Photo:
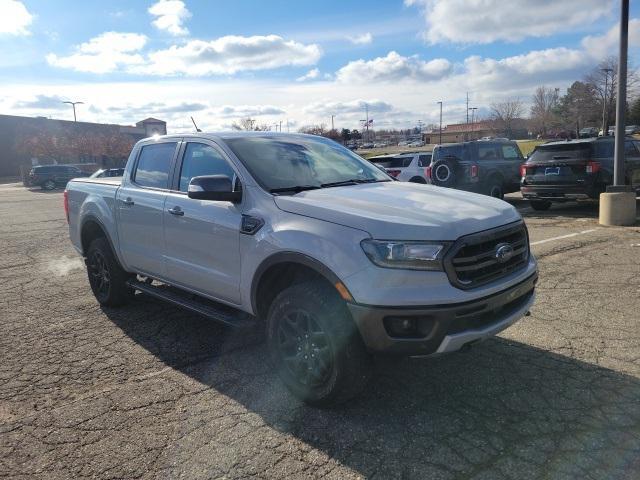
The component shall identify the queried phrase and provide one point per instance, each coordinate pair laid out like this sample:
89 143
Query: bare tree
250 124
319 129
543 109
505 114
604 81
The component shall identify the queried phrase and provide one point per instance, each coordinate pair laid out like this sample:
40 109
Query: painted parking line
561 237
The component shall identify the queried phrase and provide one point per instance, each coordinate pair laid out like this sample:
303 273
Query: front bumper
444 328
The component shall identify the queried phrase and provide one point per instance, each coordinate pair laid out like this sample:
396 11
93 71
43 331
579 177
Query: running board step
202 306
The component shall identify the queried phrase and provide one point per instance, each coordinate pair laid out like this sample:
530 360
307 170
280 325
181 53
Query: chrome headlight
406 255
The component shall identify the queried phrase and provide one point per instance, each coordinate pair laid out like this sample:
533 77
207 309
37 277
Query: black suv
49 177
491 167
573 170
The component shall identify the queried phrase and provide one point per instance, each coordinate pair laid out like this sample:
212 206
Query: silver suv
406 167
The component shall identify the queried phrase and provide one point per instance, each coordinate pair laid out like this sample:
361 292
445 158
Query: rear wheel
494 188
540 205
418 180
107 278
49 185
315 346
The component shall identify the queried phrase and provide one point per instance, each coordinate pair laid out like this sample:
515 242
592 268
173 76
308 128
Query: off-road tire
495 187
349 364
100 260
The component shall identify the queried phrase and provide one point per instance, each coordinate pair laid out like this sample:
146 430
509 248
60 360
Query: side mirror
213 187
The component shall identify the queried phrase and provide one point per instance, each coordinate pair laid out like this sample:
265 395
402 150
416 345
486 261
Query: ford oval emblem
504 252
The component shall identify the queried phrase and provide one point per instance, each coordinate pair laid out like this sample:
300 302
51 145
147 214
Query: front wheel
49 185
315 346
540 205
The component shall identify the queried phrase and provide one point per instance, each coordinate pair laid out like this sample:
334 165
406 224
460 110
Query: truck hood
402 210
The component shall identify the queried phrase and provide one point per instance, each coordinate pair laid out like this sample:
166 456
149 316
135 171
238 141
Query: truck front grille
474 259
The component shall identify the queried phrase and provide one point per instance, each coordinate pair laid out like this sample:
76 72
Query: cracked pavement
150 391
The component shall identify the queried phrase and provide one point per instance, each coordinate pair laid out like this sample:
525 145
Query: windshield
287 162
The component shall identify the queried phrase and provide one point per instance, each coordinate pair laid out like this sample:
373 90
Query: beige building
461 132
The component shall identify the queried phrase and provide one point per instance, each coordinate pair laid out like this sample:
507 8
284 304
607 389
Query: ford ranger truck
300 236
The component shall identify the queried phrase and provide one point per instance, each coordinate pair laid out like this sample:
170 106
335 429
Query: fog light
400 326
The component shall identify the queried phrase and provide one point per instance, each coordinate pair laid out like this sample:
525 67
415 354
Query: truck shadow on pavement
503 409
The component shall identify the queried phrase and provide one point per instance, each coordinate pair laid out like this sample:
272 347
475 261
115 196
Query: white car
417 143
406 167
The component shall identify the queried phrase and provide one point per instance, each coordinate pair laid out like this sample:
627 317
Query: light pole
440 141
473 111
618 203
605 130
73 104
332 122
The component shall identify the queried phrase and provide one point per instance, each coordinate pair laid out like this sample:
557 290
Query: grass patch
527 146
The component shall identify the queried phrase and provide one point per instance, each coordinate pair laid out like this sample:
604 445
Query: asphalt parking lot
150 391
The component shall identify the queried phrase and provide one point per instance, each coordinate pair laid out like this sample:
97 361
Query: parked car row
491 167
556 171
50 177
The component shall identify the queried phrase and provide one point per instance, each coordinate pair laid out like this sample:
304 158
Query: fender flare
289 257
92 218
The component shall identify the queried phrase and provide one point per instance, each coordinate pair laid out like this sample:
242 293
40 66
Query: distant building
27 141
462 132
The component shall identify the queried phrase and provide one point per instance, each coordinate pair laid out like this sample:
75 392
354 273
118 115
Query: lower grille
484 257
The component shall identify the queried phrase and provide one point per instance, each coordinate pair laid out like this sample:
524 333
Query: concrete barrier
617 208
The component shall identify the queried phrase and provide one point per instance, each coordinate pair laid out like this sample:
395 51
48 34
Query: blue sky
295 61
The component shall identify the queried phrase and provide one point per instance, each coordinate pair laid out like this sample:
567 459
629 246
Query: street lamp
605 131
73 104
440 141
473 111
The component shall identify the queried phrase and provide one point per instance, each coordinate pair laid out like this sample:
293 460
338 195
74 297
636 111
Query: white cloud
327 108
14 18
526 71
364 39
601 46
248 110
394 67
230 54
42 102
170 16
105 53
310 75
486 21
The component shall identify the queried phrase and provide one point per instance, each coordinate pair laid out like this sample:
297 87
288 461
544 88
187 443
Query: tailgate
559 164
557 173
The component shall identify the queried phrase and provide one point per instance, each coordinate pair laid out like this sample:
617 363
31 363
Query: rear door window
488 152
424 160
392 162
153 165
510 152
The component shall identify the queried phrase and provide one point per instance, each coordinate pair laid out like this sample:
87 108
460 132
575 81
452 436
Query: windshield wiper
352 181
294 189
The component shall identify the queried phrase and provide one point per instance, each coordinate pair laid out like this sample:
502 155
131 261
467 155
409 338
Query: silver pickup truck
336 259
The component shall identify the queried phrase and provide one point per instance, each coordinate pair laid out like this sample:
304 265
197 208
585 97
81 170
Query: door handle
176 211
128 202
